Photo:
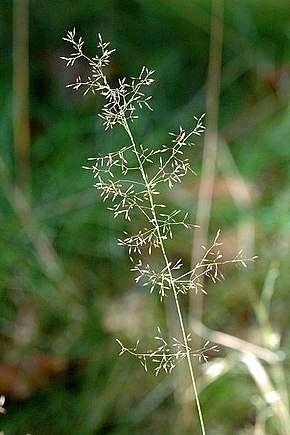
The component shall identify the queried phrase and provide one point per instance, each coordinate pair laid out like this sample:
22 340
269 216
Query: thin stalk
205 195
21 128
167 263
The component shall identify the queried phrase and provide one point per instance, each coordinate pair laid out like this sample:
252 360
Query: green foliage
63 311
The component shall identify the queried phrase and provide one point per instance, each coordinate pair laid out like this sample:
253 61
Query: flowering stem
167 263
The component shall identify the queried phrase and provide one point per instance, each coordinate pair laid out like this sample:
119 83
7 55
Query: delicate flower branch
167 355
121 101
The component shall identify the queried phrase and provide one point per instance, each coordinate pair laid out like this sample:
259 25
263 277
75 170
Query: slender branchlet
167 355
131 178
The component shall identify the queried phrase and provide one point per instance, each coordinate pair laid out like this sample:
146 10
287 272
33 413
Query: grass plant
133 178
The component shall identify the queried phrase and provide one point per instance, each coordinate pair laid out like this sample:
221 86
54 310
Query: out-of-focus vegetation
65 287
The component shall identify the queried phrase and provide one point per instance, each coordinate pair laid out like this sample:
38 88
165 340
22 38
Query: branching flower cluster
208 266
131 179
121 102
167 355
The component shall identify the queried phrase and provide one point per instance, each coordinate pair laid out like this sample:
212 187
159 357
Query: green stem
167 263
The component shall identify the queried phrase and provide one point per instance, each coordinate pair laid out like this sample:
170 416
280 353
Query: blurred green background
65 288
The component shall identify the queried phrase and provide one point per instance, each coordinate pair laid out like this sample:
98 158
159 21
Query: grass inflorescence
131 178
